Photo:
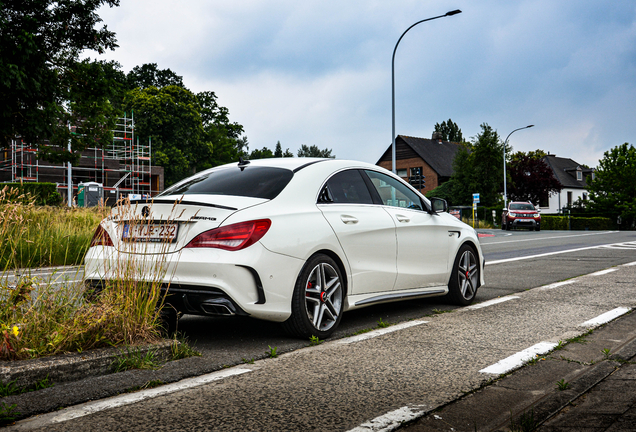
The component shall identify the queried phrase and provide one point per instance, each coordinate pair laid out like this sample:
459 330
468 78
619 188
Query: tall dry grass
43 317
34 236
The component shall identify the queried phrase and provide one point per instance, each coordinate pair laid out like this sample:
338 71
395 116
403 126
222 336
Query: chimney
437 136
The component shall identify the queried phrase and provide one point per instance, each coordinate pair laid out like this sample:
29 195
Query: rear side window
346 187
250 181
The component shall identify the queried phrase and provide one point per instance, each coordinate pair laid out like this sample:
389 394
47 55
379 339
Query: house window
416 171
569 198
579 175
402 172
584 196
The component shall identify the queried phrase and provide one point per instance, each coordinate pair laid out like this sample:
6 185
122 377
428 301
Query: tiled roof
565 171
438 155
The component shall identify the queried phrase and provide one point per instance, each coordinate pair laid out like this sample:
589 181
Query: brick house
433 157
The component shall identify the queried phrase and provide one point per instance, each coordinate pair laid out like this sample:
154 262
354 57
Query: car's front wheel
318 299
464 279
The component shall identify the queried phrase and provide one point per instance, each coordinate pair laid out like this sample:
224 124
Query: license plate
151 233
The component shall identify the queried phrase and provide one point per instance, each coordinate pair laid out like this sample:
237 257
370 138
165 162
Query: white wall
560 199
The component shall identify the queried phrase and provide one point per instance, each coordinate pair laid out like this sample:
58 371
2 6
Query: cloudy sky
319 72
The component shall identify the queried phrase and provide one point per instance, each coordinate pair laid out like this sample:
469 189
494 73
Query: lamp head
455 12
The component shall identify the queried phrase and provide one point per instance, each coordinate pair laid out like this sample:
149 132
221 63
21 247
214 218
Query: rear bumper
253 281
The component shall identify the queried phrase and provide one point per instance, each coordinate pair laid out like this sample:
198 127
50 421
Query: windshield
249 181
521 207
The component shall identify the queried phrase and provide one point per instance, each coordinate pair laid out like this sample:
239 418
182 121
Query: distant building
432 157
572 176
122 167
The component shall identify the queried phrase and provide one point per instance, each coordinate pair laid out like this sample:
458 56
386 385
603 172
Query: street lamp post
455 12
504 157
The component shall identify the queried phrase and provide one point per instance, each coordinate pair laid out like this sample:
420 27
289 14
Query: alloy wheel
468 274
323 296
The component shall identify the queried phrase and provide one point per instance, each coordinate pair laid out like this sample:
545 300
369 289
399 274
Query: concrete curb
72 366
554 403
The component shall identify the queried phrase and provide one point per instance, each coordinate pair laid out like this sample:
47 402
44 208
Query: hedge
44 193
576 223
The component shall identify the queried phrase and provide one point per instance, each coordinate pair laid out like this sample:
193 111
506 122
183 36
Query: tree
478 168
443 191
613 189
279 151
41 42
314 151
449 131
171 117
148 75
530 178
225 136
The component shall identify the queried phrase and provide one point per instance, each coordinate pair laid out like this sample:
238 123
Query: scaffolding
125 157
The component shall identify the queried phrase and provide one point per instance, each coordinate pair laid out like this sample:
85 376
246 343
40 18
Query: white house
572 177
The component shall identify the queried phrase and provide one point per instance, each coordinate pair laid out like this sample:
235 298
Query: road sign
475 197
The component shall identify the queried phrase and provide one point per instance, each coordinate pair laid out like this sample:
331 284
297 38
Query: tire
169 320
318 299
538 228
465 277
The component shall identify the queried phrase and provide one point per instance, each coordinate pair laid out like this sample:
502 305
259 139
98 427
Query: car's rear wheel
318 299
464 279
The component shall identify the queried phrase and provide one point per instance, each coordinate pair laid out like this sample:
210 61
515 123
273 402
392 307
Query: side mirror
439 205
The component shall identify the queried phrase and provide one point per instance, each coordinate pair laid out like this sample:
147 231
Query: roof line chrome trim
398 296
295 170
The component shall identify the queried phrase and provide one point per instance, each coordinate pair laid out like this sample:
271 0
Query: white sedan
292 240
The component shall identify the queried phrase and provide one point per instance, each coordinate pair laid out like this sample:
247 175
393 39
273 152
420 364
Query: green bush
549 222
43 193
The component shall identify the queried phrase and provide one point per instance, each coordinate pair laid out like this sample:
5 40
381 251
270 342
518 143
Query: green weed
314 340
562 385
8 414
180 348
272 353
524 423
382 324
135 359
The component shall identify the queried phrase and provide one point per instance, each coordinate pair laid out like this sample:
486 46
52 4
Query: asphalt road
349 383
516 262
229 340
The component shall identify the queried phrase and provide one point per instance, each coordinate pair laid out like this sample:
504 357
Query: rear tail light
232 237
101 238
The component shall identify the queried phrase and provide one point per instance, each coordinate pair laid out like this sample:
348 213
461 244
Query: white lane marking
392 420
518 359
630 264
131 398
549 254
548 238
491 302
606 317
380 332
603 272
557 284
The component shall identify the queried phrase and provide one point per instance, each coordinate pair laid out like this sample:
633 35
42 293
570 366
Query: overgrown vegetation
33 236
43 317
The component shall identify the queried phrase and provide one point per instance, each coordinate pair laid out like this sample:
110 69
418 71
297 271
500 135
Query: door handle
401 218
348 219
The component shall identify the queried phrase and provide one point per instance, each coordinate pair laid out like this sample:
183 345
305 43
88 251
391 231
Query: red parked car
521 214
